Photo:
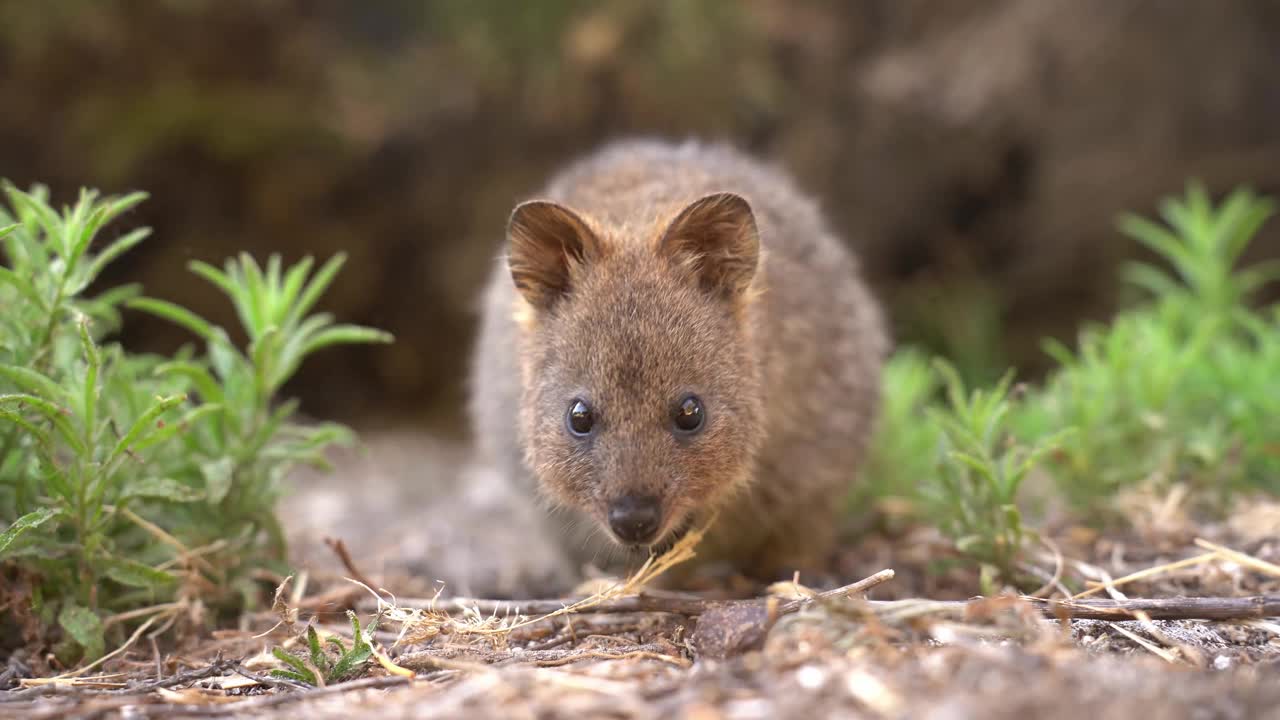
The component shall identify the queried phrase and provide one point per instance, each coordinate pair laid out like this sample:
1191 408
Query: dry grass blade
1166 655
112 680
166 614
419 624
1250 561
1146 573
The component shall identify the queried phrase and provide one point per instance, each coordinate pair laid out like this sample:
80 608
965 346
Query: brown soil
411 518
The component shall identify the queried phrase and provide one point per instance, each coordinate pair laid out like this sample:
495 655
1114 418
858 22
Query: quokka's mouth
661 542
669 538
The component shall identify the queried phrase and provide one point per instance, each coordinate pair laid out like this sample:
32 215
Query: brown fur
648 270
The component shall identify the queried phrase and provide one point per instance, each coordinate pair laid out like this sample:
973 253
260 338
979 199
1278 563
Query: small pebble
811 677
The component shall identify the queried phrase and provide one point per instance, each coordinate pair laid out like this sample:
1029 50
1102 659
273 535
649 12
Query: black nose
634 519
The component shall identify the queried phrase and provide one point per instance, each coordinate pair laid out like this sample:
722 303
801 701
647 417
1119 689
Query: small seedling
335 664
973 496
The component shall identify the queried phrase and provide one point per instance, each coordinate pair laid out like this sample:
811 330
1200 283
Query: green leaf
252 295
273 287
84 627
143 426
186 422
175 314
291 675
217 478
42 438
263 352
319 283
30 521
213 275
224 282
292 352
210 391
293 282
357 637
136 574
54 414
23 286
87 224
224 357
35 383
121 246
318 658
351 661
122 205
104 307
301 671
8 229
161 488
89 403
346 334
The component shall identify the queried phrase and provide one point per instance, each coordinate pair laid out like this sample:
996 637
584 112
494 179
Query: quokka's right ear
548 243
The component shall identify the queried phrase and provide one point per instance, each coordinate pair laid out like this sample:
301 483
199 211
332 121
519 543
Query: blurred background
976 154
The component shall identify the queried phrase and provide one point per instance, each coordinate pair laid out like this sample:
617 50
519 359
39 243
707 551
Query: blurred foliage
1183 388
1180 389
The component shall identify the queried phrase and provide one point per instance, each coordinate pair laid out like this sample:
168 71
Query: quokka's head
642 390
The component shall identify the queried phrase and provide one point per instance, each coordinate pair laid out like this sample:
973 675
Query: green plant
129 480
1184 386
973 495
350 661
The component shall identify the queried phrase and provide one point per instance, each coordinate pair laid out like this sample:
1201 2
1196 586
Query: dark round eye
580 418
688 415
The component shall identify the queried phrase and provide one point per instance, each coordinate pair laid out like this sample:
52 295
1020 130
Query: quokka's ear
715 239
546 241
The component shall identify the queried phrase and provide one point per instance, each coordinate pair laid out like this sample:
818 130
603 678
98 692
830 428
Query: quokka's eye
580 419
688 416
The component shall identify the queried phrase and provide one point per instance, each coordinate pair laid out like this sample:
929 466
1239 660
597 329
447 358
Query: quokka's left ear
715 239
547 244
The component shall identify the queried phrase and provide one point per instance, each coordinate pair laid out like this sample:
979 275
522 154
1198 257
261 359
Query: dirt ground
410 513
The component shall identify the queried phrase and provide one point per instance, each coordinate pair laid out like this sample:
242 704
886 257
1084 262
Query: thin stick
201 551
339 548
241 707
1212 608
603 655
642 602
468 659
217 667
140 612
851 589
1209 608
